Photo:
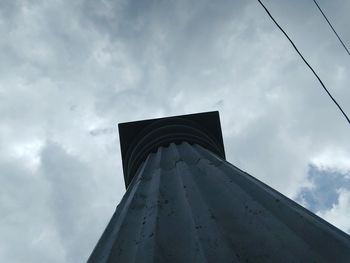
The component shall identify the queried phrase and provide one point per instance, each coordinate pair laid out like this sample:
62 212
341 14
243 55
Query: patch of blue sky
323 193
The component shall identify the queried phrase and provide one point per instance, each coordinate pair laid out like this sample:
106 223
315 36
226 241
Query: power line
329 23
302 57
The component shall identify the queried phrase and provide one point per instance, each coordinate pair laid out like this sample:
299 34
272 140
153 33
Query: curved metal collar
139 139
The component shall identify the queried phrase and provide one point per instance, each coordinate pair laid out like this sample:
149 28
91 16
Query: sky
70 71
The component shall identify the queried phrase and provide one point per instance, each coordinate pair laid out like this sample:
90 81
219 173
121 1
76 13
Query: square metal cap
139 138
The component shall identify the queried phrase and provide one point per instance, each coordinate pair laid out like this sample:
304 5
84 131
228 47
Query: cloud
26 232
55 207
70 199
339 213
101 131
70 71
324 190
327 193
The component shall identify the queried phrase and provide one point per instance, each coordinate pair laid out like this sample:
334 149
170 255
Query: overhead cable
302 57
329 23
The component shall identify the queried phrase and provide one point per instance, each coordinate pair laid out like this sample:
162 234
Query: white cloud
338 215
333 158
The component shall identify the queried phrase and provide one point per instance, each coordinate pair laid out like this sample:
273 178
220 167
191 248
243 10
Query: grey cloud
101 131
74 200
70 200
70 71
26 235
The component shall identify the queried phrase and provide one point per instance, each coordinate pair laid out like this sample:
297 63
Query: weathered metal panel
186 204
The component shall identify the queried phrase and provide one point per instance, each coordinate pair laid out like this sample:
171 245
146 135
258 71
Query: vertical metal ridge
201 255
169 158
205 154
147 236
126 242
249 220
176 241
296 218
104 246
195 225
186 204
215 246
207 168
238 218
190 156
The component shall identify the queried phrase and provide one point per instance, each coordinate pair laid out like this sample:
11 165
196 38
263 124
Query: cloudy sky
71 70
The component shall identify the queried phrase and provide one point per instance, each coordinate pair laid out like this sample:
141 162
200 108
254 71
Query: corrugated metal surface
187 205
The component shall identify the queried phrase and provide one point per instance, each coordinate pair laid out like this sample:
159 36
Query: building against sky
185 203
